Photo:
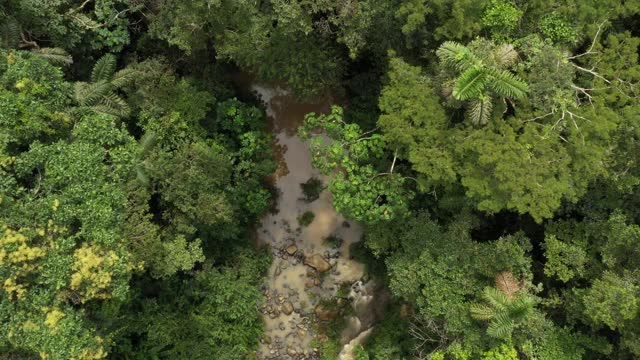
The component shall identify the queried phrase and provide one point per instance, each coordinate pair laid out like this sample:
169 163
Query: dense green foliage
490 148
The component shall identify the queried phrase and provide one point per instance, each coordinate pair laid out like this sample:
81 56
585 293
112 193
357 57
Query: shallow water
289 281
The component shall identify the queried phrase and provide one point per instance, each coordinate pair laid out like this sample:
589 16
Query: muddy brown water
292 289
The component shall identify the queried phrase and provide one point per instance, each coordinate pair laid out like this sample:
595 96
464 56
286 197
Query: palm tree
12 37
481 79
100 95
503 307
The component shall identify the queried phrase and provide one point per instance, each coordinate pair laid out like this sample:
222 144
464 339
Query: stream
306 270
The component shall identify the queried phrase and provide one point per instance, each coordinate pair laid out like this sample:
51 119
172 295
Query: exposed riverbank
311 281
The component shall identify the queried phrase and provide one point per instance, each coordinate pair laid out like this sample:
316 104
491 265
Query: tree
303 43
503 310
34 97
415 124
481 75
12 36
215 314
62 253
426 266
360 191
80 27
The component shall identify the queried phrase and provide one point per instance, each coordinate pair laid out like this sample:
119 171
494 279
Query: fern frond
480 110
507 84
56 56
504 56
482 312
104 68
470 84
500 326
123 77
9 33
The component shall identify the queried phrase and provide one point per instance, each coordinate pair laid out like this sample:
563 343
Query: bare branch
590 71
27 43
583 91
593 43
393 164
540 117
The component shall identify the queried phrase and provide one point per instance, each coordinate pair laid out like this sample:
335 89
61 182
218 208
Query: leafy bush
558 29
333 240
306 218
312 189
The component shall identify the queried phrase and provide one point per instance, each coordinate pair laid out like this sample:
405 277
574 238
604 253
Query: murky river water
298 279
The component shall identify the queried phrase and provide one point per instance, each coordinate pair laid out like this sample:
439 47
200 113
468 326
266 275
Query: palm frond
105 110
9 33
521 307
470 84
480 110
112 104
495 298
56 56
123 77
141 174
504 56
507 84
91 94
104 68
78 112
506 282
500 326
482 312
456 56
147 142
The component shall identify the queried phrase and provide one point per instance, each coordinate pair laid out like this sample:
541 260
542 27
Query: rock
287 308
291 249
324 314
278 271
316 282
291 352
317 262
301 333
309 284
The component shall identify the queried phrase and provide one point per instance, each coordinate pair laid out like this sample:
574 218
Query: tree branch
593 43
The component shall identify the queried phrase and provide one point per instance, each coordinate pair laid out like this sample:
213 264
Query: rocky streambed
312 280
